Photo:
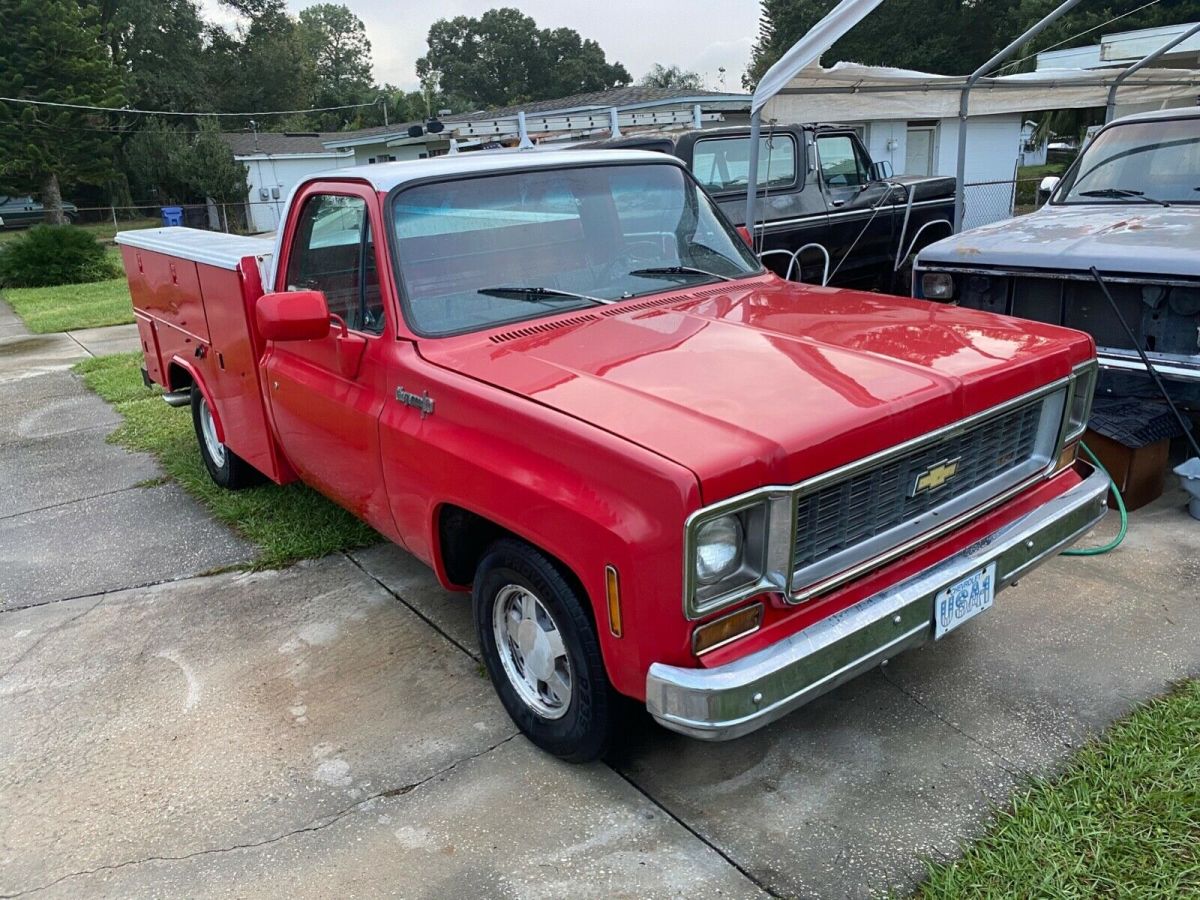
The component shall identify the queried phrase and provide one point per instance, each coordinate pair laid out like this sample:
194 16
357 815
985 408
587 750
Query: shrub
48 255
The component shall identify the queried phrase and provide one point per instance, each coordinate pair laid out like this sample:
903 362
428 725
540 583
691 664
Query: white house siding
276 175
993 146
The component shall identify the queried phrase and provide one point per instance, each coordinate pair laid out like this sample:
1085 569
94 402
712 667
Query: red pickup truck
564 381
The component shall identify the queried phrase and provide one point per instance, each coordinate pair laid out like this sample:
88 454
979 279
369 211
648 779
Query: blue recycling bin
172 215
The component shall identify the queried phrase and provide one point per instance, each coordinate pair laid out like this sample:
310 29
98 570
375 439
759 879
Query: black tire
584 725
224 466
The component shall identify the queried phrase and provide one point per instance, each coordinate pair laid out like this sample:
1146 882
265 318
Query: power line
1073 37
160 112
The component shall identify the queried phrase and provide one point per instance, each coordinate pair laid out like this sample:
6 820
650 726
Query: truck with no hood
845 219
564 381
1129 206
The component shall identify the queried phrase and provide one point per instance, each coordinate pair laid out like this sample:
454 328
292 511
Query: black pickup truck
860 225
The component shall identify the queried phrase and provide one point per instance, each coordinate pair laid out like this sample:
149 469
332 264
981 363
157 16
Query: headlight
937 286
718 549
736 550
1081 400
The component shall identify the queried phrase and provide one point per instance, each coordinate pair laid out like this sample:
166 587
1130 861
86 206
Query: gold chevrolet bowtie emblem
935 476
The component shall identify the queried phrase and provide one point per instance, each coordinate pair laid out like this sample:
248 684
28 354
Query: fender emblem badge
935 476
421 401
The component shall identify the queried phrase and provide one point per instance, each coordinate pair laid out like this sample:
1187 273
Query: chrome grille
874 509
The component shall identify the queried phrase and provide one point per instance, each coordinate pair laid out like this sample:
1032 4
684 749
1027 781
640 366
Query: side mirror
293 316
1046 187
882 170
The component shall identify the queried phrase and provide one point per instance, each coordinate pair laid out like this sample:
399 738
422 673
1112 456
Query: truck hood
1132 238
765 382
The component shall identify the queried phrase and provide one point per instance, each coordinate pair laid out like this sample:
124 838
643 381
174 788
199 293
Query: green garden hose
1115 542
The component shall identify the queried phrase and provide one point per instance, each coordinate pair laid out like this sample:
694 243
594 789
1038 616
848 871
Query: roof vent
540 328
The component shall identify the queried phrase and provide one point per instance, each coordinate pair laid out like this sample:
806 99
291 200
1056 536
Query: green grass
1028 179
1122 821
72 306
103 231
288 522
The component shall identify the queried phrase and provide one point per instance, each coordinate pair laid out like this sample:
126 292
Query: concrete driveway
326 730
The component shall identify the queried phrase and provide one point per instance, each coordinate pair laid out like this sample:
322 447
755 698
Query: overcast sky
700 35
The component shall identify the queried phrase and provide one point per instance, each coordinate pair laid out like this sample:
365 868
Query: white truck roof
213 248
385 176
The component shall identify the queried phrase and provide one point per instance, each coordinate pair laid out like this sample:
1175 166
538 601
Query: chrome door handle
838 202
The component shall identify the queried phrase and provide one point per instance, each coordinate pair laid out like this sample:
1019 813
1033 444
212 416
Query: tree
266 69
50 53
503 58
946 37
158 45
176 166
661 76
340 55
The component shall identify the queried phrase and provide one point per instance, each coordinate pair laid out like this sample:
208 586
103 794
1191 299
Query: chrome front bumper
732 700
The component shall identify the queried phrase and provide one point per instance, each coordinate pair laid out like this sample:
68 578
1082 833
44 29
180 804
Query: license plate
963 600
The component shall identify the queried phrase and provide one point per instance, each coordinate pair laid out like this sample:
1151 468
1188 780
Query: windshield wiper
680 270
1123 194
539 294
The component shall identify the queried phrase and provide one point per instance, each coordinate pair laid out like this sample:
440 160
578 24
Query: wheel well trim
178 363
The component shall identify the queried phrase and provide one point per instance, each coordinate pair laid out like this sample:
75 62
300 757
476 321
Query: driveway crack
420 615
46 634
1006 764
746 873
318 824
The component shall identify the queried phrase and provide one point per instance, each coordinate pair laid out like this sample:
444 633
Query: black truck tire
541 651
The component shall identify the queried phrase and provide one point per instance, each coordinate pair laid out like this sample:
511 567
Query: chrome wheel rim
208 431
532 652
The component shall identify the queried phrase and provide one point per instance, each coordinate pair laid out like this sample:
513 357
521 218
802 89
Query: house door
918 157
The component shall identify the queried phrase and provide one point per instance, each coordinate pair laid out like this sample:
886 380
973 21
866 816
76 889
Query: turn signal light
1067 458
720 632
612 588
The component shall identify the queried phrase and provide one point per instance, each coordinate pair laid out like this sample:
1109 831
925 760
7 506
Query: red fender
198 384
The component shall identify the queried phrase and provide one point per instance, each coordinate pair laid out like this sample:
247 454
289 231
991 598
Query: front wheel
224 466
541 652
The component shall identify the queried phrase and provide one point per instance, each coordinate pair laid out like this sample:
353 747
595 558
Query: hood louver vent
540 328
627 307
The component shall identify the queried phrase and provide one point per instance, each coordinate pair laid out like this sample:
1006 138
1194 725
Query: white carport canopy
852 92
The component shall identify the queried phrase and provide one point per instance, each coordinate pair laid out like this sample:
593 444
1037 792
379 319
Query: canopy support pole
965 99
752 173
1111 108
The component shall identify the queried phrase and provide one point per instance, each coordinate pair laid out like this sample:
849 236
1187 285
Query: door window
334 252
841 163
723 164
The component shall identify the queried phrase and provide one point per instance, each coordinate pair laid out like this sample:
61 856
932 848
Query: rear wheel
224 466
541 652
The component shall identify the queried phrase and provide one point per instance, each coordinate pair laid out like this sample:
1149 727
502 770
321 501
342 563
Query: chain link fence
251 217
991 201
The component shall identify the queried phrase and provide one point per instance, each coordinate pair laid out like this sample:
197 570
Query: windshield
1138 162
479 252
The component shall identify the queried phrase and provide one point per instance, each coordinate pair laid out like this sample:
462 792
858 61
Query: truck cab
565 382
852 221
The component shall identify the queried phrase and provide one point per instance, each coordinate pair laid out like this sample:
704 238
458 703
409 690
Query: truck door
325 396
860 211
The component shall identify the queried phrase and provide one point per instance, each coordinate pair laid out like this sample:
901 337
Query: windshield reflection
1156 162
479 252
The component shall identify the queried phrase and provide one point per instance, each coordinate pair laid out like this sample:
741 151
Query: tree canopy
661 76
949 37
51 53
503 58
